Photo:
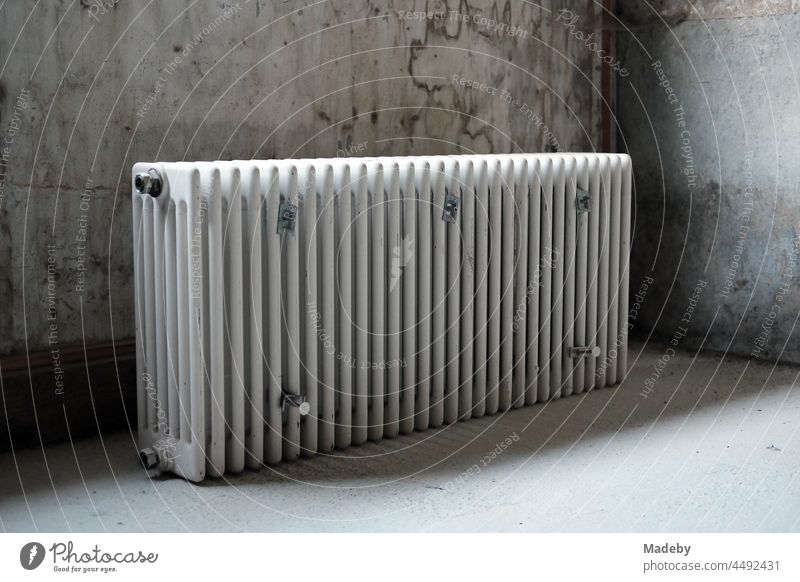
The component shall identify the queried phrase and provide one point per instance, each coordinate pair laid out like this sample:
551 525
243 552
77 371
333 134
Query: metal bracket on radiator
582 351
451 205
287 216
582 200
297 400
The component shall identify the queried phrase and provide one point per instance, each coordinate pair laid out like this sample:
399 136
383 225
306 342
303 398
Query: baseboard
82 393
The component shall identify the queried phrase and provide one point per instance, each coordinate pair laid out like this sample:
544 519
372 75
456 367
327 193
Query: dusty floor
713 448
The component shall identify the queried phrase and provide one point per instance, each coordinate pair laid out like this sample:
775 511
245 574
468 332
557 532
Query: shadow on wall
710 117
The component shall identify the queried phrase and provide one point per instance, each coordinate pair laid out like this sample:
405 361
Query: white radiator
285 308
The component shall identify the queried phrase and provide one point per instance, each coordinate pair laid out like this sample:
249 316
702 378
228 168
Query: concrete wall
87 88
710 114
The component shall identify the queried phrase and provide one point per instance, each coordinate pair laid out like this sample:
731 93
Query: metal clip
451 205
287 216
581 351
582 200
297 400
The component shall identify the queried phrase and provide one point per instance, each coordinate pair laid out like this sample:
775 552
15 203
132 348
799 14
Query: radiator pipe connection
149 183
296 400
151 460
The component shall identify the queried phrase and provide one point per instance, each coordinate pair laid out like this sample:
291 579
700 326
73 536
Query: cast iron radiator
289 307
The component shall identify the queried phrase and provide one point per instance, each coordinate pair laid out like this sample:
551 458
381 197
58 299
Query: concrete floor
715 447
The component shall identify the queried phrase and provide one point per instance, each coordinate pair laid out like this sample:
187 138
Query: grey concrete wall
89 87
710 114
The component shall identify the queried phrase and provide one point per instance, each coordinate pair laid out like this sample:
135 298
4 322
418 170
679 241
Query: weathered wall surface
709 114
89 87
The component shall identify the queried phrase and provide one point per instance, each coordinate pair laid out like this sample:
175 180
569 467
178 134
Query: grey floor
715 447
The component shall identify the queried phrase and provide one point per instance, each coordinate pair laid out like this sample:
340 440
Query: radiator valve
296 400
152 461
148 182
